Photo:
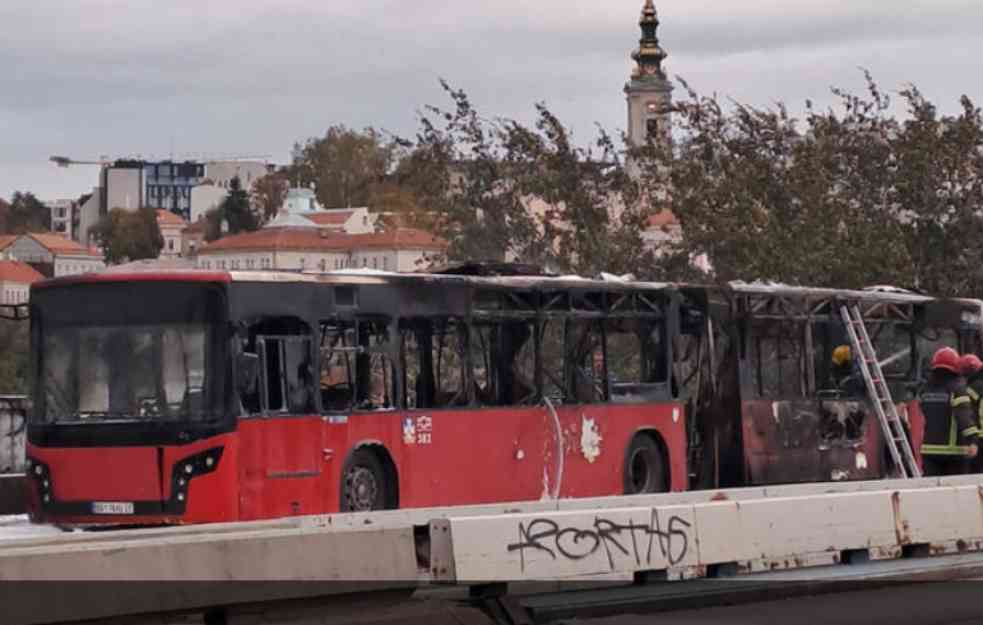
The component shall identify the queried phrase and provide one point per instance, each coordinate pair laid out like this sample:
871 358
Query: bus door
851 443
780 419
281 436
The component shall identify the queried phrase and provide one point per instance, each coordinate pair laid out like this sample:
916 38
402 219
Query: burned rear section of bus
130 418
778 394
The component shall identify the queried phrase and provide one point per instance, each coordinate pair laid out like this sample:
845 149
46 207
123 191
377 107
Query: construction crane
64 161
103 161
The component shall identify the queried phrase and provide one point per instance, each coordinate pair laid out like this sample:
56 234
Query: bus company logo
417 431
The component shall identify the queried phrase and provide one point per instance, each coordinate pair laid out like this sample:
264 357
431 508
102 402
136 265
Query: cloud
94 77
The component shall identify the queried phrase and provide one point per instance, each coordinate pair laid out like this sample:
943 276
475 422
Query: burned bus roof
881 294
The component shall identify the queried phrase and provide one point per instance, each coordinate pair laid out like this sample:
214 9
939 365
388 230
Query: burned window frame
565 307
342 329
256 334
430 362
388 351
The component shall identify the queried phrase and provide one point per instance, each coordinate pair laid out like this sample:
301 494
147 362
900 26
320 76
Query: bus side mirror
247 372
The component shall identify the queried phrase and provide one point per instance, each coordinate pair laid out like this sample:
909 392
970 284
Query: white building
347 220
300 200
171 226
206 197
294 243
16 279
53 255
88 211
63 216
221 173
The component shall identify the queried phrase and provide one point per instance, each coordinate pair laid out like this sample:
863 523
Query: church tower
649 92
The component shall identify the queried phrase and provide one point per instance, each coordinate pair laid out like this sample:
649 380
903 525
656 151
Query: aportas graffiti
643 542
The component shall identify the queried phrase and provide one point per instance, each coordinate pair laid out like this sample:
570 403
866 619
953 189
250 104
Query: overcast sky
85 78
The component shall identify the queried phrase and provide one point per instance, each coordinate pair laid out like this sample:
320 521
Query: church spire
649 55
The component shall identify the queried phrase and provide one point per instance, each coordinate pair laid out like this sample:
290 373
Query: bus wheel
364 485
644 467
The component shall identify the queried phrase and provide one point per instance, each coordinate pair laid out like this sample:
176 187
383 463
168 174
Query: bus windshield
155 362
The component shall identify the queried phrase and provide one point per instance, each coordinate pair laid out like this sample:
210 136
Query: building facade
290 244
221 173
171 226
169 185
16 279
64 217
649 91
53 255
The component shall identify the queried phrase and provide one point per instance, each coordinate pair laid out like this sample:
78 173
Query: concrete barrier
13 433
686 535
93 579
12 494
761 534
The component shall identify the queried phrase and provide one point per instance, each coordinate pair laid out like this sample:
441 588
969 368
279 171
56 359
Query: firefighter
971 368
845 373
950 427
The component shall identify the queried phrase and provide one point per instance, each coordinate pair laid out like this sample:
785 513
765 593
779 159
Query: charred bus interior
767 402
407 344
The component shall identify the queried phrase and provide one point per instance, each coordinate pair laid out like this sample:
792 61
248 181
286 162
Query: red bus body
292 466
284 465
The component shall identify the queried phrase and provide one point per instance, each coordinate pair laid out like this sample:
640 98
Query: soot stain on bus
195 396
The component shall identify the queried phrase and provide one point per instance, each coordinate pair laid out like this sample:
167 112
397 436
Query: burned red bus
765 401
201 396
196 396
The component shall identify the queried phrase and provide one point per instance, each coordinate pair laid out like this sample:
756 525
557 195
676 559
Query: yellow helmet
841 355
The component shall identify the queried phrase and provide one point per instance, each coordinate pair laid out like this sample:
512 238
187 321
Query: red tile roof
59 245
662 218
15 271
290 238
398 238
7 239
318 240
167 218
197 227
329 219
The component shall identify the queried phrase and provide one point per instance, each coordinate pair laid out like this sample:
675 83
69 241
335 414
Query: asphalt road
943 603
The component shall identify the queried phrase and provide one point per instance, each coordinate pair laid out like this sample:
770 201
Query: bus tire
645 467
365 484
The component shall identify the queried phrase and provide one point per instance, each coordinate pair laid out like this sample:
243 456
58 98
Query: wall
14 292
27 250
222 172
74 265
88 217
204 198
13 432
125 188
172 241
267 259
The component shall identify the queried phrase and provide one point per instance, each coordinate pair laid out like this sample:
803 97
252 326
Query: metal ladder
880 395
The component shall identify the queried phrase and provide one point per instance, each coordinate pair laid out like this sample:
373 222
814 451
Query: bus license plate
112 507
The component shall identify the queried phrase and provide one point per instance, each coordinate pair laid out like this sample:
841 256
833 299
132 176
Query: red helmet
970 364
946 358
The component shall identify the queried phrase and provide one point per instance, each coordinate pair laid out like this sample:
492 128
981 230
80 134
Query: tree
14 366
129 235
269 193
26 213
846 197
235 212
500 190
345 165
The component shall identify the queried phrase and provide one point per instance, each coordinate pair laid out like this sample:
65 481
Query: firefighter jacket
974 388
950 424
